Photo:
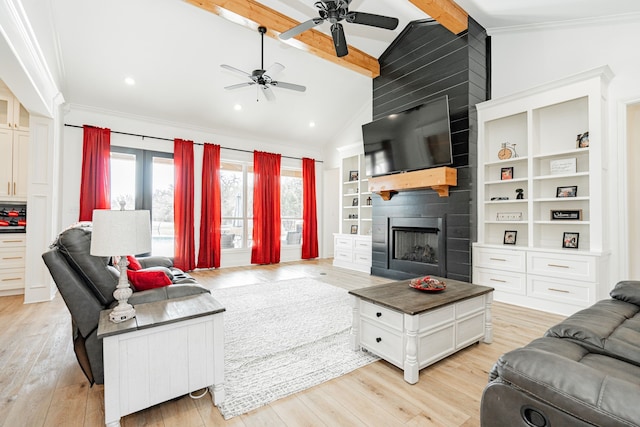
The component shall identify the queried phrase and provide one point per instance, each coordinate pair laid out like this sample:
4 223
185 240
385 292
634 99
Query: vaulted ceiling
173 50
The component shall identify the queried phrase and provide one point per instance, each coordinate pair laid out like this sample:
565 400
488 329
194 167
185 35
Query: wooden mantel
438 179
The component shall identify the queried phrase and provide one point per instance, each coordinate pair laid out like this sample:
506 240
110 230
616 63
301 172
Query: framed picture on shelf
506 173
582 141
354 202
353 175
510 237
354 229
567 191
562 166
568 215
509 216
570 240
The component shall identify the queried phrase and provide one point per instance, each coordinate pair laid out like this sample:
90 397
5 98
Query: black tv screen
418 138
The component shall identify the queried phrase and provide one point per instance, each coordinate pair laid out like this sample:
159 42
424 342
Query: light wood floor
42 385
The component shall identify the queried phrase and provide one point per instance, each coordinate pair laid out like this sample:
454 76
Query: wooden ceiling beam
446 12
313 41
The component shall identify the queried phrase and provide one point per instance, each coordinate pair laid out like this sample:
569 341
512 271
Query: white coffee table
413 329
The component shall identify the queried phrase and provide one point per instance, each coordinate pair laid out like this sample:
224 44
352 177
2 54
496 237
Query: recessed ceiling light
129 81
312 124
237 107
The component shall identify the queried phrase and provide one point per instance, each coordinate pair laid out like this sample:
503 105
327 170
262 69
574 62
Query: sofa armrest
167 292
155 261
589 386
627 291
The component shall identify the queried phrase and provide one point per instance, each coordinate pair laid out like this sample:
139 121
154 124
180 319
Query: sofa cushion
144 280
168 271
628 291
134 264
75 244
610 327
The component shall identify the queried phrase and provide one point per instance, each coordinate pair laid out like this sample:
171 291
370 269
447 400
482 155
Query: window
143 179
236 183
236 206
291 206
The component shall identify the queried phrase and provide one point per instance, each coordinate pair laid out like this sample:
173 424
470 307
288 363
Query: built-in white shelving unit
555 264
352 245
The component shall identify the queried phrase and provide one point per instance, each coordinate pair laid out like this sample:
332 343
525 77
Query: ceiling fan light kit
264 79
334 12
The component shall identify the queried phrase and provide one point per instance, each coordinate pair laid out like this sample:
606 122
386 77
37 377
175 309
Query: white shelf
505 202
505 181
515 160
560 176
563 222
570 152
561 199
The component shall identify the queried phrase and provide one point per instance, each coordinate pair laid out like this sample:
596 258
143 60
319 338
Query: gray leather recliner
585 371
86 284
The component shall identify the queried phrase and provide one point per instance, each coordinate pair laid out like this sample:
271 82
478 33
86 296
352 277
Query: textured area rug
282 338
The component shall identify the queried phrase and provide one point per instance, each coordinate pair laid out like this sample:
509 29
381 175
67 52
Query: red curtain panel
309 211
95 183
184 252
211 212
266 208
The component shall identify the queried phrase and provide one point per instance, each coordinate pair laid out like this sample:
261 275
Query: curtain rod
171 140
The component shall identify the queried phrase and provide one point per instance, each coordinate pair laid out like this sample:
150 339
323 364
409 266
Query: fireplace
416 246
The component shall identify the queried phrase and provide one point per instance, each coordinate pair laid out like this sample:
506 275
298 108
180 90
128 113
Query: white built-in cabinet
12 263
352 245
14 146
544 268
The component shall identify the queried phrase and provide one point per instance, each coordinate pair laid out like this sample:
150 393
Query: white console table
171 348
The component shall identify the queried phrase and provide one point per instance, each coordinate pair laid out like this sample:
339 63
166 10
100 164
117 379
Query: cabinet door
20 116
20 164
6 110
6 162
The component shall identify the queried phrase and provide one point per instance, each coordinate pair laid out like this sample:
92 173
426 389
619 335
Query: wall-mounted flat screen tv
418 138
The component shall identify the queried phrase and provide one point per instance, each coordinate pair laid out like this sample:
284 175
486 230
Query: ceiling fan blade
291 86
268 93
274 70
372 20
300 28
235 70
239 85
339 40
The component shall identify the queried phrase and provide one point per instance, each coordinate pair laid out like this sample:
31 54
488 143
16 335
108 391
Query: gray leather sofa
585 371
86 283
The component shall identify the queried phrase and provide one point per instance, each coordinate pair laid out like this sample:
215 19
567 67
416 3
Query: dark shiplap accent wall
425 62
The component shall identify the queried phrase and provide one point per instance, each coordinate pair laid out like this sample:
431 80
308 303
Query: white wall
529 56
633 190
72 162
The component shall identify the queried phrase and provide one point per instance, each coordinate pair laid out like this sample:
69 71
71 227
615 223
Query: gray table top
401 297
162 312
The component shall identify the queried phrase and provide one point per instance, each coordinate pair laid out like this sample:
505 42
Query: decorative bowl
428 284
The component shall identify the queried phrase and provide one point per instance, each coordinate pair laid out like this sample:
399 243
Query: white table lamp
121 233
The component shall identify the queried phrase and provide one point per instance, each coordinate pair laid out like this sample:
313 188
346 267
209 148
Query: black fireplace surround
417 246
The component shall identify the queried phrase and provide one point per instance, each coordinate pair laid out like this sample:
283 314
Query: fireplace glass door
416 245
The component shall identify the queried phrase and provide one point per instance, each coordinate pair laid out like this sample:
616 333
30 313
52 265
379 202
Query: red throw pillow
134 264
144 280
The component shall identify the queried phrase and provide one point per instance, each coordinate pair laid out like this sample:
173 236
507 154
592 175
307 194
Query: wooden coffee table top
401 297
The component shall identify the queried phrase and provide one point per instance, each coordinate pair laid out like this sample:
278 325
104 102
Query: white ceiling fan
264 79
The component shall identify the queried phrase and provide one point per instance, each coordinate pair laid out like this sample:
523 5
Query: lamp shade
120 232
